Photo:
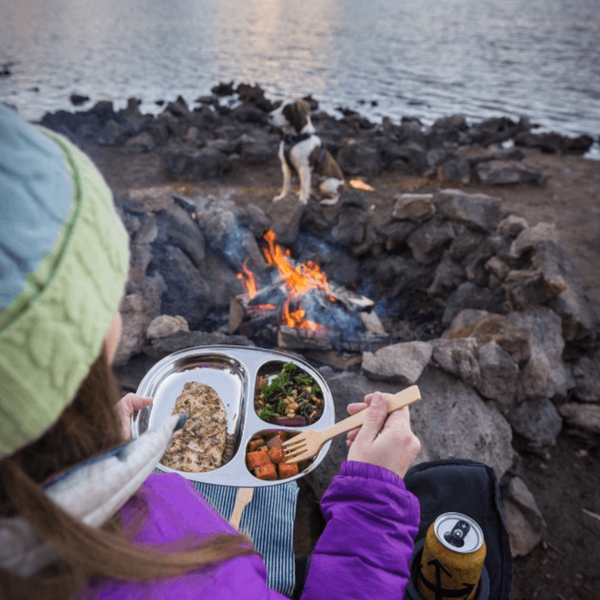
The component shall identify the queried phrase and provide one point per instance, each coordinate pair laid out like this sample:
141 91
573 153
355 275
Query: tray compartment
225 374
268 372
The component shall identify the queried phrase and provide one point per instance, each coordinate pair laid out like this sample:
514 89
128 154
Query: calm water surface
480 58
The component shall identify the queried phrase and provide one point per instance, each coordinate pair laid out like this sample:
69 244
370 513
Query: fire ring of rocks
482 311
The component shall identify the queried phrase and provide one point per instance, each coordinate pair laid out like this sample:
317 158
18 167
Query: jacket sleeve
365 550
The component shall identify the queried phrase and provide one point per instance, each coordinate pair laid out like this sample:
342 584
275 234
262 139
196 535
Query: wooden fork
308 443
243 498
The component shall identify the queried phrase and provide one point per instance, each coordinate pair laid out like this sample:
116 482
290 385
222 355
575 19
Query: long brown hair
89 426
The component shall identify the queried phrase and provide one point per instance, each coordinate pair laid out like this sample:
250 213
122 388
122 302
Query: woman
75 527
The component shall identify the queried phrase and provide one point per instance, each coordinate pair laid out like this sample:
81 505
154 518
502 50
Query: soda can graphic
452 559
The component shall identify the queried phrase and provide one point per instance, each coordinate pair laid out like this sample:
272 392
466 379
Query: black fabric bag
470 488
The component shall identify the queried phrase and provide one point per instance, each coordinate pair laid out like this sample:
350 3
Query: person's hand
127 405
388 443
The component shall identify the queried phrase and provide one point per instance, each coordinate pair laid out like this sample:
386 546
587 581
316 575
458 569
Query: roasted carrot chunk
286 470
257 459
266 472
276 454
255 444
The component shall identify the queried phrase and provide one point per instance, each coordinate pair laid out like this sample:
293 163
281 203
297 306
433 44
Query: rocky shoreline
484 312
209 140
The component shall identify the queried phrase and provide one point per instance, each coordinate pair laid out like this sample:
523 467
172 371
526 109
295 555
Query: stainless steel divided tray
232 372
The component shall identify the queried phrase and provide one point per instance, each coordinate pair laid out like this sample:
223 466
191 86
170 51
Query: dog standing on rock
302 150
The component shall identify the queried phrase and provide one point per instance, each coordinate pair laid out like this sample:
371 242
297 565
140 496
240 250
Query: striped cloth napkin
269 520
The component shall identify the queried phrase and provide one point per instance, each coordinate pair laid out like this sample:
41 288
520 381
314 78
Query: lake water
480 58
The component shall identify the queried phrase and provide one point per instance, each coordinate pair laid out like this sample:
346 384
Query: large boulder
451 421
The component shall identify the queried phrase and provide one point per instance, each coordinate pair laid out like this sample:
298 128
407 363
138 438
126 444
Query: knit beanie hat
63 265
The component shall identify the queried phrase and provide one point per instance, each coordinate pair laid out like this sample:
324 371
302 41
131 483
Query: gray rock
453 422
136 313
466 242
451 122
187 292
219 222
579 316
142 142
546 328
464 323
350 227
112 134
469 295
359 159
458 357
498 375
258 153
177 228
529 288
530 237
473 210
517 341
353 199
414 207
314 218
524 521
397 234
505 172
148 199
196 165
139 259
582 416
428 241
474 264
537 421
456 170
448 276
403 362
260 223
147 231
512 226
534 377
286 215
497 267
166 325
586 372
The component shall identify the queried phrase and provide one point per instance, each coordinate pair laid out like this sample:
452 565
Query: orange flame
298 279
250 282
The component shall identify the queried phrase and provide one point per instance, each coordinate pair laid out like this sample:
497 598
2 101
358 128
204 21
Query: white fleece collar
91 493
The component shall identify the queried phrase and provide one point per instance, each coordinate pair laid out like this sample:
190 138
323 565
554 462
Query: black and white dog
303 151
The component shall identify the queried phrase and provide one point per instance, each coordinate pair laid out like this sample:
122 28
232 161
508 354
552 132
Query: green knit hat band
51 334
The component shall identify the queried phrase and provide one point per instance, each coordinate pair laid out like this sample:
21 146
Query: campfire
306 310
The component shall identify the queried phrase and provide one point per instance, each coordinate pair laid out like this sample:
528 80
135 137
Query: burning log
326 339
310 311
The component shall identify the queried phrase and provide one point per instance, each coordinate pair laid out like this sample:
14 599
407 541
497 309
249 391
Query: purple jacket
364 551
